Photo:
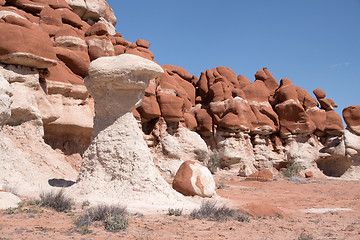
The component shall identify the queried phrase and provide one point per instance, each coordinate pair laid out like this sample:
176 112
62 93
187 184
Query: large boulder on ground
194 179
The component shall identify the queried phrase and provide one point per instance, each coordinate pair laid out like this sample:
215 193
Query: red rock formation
351 116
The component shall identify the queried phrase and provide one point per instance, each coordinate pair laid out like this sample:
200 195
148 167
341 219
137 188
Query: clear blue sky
315 43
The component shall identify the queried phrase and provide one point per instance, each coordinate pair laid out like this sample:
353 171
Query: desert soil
287 202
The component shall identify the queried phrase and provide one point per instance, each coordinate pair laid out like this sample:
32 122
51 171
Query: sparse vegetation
113 217
292 169
116 223
221 184
175 211
209 211
213 162
305 236
56 200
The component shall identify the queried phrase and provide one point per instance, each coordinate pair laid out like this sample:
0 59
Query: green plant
175 211
209 211
292 169
305 236
10 211
116 223
85 204
56 200
114 218
213 162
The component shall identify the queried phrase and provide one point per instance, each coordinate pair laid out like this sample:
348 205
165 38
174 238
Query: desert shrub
292 169
175 211
209 211
116 223
56 200
305 236
213 162
114 217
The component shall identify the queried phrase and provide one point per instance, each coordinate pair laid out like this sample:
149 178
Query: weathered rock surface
194 179
118 163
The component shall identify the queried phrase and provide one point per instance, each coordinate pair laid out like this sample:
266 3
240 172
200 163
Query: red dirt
289 223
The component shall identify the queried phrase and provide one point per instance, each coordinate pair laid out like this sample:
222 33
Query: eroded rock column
118 167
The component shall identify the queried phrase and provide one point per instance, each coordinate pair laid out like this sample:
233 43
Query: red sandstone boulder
171 106
243 81
77 61
142 43
204 122
309 174
150 109
190 121
319 93
351 116
305 99
269 80
194 179
34 50
334 124
261 176
292 116
98 29
266 120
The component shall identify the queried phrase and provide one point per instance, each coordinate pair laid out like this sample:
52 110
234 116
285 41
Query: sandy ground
289 201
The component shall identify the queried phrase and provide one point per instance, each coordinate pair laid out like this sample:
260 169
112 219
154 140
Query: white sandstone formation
27 163
235 150
118 166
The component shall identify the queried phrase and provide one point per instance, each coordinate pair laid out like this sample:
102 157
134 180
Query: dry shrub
209 211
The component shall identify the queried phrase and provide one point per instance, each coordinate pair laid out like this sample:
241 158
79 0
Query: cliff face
47 114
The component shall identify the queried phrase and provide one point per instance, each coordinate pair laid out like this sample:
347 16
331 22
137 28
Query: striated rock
99 46
194 179
351 116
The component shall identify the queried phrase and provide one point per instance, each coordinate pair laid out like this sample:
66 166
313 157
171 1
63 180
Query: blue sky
315 43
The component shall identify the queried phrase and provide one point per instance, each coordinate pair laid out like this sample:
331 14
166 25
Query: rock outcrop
118 165
46 112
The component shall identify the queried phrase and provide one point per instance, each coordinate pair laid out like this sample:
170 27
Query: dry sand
292 198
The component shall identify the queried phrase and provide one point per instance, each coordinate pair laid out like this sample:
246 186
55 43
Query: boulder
34 49
351 116
194 179
261 176
8 200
